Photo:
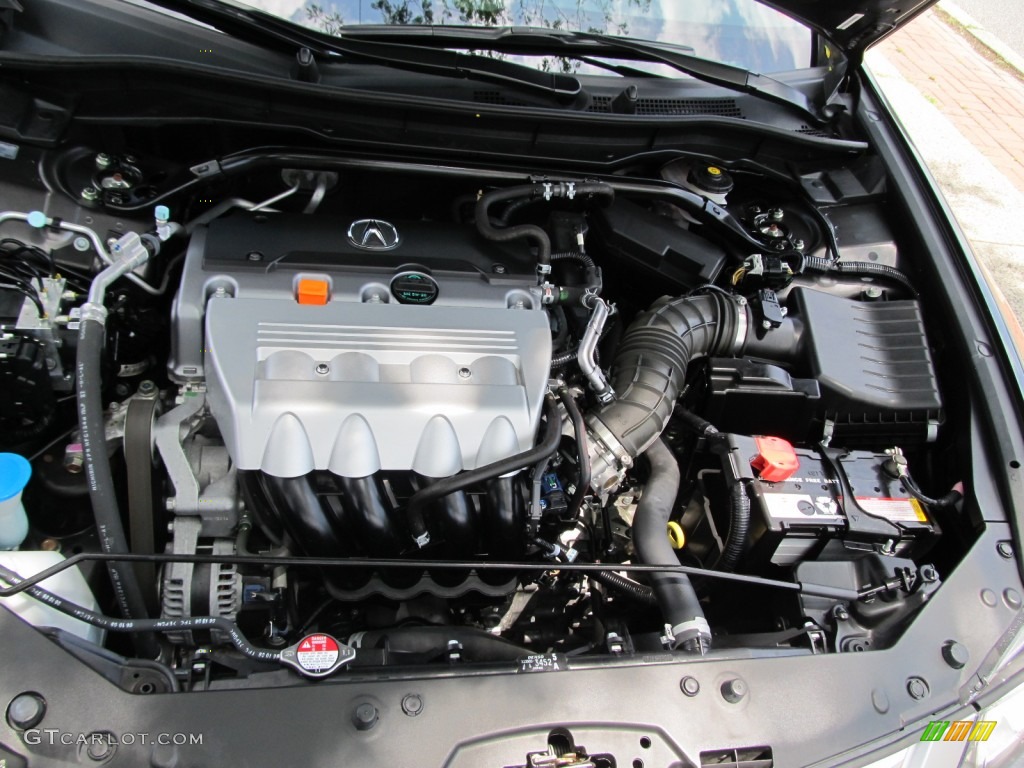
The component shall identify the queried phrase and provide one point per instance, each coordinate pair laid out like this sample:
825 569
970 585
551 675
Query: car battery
808 514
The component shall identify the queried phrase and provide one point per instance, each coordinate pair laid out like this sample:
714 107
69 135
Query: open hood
853 25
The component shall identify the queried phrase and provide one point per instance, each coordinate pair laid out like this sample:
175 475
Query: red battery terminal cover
776 459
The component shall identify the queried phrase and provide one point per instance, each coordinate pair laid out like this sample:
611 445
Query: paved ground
965 113
984 101
1003 17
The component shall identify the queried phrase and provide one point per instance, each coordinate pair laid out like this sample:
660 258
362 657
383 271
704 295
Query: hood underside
853 25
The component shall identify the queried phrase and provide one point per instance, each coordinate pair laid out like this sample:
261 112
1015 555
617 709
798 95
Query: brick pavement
983 99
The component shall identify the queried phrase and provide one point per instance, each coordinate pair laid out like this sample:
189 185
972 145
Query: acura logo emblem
373 235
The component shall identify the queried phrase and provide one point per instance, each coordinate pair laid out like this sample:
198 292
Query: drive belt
138 454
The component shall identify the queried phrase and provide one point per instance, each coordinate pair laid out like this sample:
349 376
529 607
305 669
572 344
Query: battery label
803 506
898 510
317 653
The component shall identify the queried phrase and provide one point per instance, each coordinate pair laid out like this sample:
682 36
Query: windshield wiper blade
714 72
264 29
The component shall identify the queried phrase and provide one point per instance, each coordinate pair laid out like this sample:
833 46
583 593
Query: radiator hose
685 625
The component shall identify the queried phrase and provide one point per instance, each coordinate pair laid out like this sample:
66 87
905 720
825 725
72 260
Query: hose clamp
548 190
742 325
92 311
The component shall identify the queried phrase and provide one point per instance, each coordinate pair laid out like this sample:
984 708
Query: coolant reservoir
69 584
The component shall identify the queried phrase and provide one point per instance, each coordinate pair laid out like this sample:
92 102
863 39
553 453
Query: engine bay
360 415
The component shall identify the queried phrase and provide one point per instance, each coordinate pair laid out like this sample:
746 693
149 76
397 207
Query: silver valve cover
354 388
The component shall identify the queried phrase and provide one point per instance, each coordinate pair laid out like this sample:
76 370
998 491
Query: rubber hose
477 645
582 451
650 366
531 231
633 589
739 525
426 496
145 626
686 626
102 492
530 192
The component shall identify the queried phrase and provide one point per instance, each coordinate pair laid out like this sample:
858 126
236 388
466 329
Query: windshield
739 32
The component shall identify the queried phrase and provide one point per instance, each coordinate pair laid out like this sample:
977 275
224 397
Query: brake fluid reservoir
69 584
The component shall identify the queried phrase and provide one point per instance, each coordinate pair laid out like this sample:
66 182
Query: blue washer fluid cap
14 474
162 213
37 219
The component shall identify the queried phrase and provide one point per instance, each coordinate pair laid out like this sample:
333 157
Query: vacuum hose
568 190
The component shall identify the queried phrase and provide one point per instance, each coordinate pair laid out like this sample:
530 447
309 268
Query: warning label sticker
317 653
803 506
897 510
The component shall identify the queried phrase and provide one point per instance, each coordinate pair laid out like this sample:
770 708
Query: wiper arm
717 73
584 46
264 29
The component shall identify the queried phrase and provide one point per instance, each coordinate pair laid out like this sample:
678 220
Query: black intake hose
102 492
650 366
685 624
426 496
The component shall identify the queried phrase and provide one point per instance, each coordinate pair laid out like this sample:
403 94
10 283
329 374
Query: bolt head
734 690
918 688
1005 549
766 325
412 705
103 160
26 711
323 369
81 243
254 256
90 194
365 717
689 686
499 269
465 373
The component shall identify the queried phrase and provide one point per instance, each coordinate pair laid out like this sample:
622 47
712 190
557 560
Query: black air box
865 366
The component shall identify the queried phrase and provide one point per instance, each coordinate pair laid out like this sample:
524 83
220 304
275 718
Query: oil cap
414 288
317 655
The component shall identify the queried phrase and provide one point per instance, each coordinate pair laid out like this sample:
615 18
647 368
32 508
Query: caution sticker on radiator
317 653
898 510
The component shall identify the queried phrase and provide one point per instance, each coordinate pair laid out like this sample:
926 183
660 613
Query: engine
520 419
